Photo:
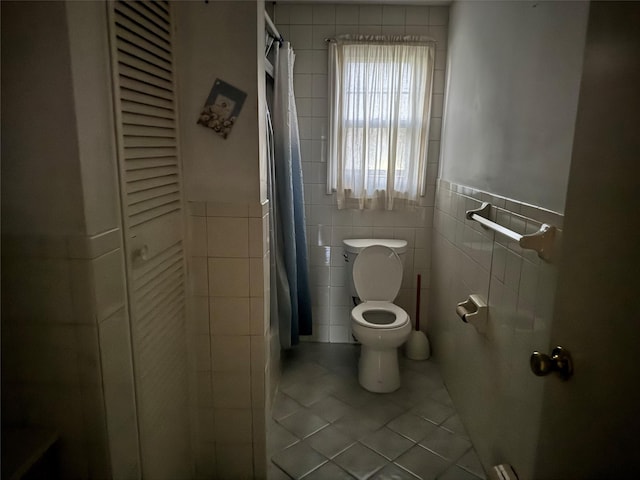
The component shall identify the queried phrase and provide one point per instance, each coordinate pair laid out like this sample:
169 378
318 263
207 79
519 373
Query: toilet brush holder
417 346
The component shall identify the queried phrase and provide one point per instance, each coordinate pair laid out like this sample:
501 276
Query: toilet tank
353 246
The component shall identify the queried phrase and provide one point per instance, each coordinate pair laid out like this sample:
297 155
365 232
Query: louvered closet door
152 209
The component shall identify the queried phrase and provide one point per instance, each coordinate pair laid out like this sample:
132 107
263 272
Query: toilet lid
377 274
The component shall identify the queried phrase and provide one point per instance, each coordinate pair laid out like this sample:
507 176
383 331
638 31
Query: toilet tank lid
355 245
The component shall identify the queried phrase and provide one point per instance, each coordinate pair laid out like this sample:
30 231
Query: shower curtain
290 271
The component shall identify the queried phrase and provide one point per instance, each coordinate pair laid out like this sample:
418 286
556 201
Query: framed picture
222 108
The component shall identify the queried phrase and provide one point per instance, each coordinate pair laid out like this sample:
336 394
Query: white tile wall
66 351
234 460
228 324
228 237
230 315
496 390
306 26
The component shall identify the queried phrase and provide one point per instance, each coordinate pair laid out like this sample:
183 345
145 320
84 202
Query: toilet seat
377 275
398 317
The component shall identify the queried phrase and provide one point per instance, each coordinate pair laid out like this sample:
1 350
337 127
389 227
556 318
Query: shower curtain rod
271 27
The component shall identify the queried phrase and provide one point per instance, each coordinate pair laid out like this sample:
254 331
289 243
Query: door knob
559 361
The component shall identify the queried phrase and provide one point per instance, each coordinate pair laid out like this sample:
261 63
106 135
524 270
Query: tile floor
325 426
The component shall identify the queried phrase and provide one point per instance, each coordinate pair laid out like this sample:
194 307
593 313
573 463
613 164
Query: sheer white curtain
380 90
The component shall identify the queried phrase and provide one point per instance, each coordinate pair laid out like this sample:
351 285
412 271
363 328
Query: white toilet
379 325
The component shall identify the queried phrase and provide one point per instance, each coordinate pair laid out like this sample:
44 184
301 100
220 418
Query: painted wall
219 40
39 148
91 72
66 346
66 360
306 25
513 79
508 146
225 185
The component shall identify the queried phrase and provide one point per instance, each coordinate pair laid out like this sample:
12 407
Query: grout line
321 353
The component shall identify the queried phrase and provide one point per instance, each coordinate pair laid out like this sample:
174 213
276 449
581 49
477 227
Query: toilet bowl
378 324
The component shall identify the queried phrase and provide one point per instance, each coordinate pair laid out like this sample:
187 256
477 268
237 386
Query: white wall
218 40
66 349
40 171
306 26
225 183
92 97
513 79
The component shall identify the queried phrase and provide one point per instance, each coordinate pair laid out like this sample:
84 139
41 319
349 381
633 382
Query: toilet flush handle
559 361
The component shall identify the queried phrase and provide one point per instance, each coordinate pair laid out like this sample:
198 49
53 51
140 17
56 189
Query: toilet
379 325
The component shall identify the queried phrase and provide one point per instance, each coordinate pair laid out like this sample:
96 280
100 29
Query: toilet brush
417 346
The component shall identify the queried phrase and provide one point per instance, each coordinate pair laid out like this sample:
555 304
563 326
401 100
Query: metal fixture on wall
559 361
540 241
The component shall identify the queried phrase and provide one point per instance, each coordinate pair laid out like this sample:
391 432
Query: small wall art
222 108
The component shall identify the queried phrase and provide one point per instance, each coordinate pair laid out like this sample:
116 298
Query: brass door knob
559 361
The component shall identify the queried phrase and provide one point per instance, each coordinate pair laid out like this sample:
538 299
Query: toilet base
378 369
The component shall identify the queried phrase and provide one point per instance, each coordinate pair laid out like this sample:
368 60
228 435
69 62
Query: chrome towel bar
540 241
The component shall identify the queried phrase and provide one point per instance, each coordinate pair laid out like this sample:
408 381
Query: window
379 109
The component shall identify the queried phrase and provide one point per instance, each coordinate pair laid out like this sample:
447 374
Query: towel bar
540 241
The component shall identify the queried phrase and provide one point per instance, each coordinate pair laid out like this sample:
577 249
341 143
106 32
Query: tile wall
487 374
66 352
306 26
66 361
228 331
